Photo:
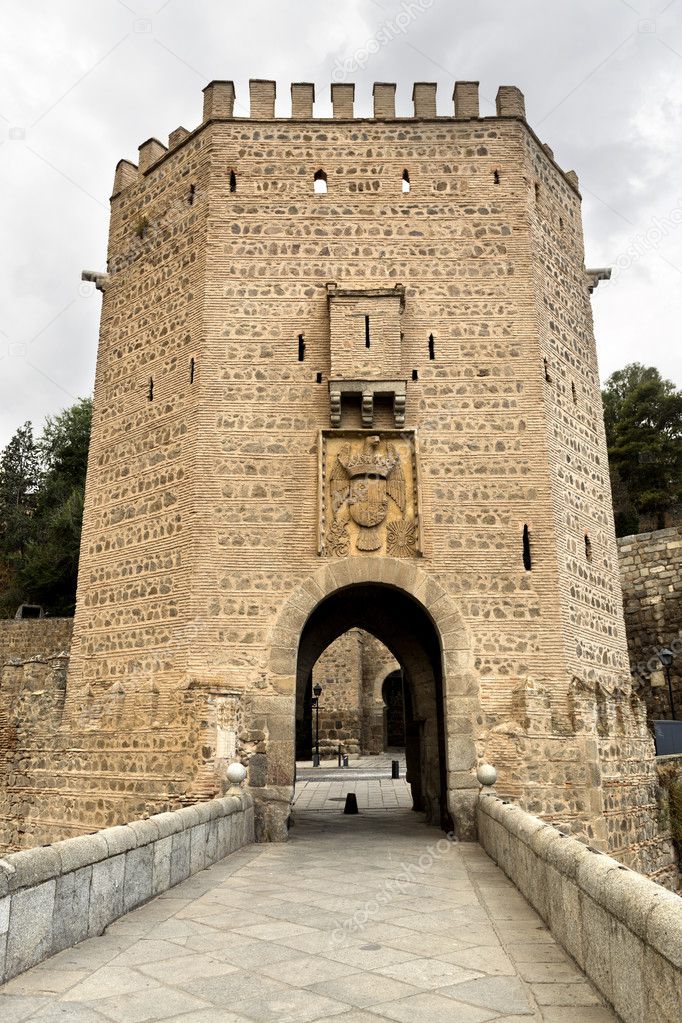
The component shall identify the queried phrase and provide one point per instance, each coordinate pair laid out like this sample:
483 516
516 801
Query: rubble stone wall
592 771
352 671
339 672
50 771
651 574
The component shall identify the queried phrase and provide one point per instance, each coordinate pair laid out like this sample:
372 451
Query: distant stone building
361 708
347 379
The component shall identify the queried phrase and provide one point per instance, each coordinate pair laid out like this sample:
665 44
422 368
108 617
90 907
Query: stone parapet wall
651 574
24 638
52 780
622 929
54 896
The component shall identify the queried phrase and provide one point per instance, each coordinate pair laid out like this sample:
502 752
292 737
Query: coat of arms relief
369 497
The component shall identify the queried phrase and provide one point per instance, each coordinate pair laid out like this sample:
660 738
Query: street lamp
317 690
666 657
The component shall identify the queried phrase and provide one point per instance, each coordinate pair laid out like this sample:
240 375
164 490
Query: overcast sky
83 84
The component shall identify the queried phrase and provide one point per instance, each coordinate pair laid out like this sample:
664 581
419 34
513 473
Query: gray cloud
84 84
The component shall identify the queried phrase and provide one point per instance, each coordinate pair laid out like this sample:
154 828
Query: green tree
44 482
63 447
643 419
19 480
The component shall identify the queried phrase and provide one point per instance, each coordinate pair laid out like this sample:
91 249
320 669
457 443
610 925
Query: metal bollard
345 760
395 769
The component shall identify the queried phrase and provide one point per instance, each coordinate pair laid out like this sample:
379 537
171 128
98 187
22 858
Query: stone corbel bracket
594 276
367 389
100 280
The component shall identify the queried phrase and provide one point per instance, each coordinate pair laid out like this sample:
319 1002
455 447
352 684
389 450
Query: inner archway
395 710
360 713
402 624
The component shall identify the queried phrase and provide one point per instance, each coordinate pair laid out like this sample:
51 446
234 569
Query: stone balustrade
623 930
54 896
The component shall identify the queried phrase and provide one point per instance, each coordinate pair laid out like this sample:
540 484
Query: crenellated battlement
220 97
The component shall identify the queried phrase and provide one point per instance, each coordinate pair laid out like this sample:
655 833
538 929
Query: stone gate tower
347 378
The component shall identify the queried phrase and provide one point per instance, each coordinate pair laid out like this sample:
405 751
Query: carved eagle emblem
363 480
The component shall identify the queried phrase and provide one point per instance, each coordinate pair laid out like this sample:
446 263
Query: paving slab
356 919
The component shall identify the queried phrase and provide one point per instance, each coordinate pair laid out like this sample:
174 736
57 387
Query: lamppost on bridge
317 690
666 657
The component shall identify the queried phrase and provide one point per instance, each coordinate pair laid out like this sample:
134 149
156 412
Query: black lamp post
317 690
666 657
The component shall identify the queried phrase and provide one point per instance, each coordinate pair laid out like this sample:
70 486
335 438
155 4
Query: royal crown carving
368 487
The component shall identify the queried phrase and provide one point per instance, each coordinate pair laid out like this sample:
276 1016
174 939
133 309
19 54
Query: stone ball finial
487 775
236 773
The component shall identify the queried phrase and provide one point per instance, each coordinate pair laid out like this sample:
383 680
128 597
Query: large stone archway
461 711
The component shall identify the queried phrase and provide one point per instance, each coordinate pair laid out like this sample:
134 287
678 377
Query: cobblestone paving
355 919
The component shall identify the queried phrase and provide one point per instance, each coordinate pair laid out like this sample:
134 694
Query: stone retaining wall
623 930
651 574
54 896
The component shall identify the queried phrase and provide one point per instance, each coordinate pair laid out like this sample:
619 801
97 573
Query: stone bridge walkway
356 919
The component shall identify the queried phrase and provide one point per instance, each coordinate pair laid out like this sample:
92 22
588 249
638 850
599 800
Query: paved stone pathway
356 919
375 764
325 787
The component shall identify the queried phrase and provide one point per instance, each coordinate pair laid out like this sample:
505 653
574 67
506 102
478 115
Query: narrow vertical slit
301 348
415 374
191 194
527 561
150 390
233 181
496 177
192 368
432 347
366 331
